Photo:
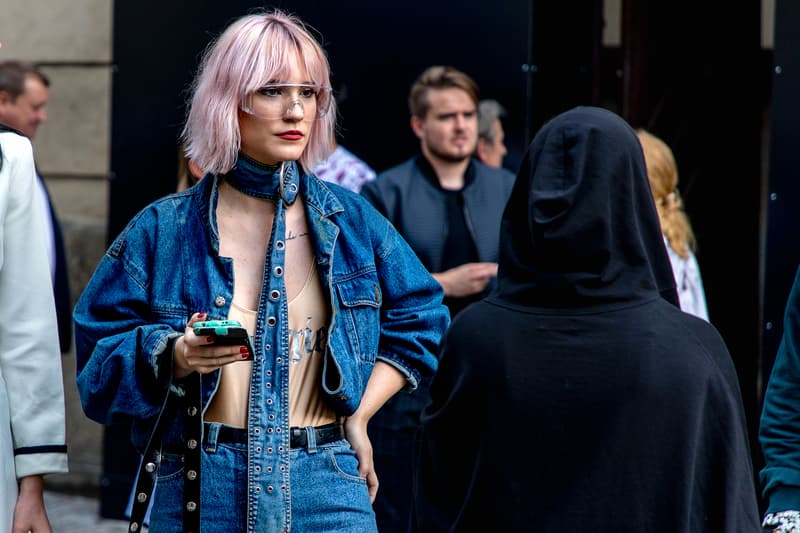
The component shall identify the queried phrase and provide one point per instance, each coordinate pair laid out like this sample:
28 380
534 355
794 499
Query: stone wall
72 41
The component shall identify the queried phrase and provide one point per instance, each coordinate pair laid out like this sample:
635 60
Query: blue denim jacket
166 265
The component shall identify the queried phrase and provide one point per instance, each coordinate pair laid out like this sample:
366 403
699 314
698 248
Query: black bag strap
151 459
148 469
193 432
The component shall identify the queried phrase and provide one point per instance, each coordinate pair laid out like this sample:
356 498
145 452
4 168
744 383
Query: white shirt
689 283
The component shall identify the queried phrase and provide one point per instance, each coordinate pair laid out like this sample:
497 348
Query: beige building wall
72 41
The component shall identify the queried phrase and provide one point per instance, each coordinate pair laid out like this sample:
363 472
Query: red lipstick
291 135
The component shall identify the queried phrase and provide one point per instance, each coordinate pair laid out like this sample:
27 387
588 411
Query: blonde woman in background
678 236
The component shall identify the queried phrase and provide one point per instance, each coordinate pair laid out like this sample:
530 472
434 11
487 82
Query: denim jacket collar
265 181
320 201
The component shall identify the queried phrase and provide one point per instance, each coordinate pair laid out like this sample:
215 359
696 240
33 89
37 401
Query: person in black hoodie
577 396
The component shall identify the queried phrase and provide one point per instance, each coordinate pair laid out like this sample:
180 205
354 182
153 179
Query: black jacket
409 195
578 397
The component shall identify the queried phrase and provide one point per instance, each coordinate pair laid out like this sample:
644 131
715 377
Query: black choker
265 181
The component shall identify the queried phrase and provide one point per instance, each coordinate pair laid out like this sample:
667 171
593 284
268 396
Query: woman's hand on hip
355 430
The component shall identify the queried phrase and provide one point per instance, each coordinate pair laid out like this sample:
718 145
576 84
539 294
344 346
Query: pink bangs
254 50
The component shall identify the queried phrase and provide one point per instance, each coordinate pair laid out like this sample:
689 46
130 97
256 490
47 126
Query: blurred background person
32 425
189 173
24 92
577 396
344 168
491 148
448 206
662 171
779 432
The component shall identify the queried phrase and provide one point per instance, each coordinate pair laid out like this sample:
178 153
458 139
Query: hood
580 228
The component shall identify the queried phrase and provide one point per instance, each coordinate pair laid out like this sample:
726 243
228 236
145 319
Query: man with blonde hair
448 206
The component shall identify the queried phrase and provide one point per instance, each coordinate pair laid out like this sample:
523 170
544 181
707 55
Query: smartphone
228 332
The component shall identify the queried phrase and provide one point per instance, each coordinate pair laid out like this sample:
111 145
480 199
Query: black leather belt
226 434
298 436
322 435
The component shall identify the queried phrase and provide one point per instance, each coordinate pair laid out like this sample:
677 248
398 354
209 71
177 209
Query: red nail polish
245 355
201 315
209 339
243 349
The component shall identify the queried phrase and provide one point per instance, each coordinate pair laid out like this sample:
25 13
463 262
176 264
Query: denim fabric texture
324 479
223 494
166 265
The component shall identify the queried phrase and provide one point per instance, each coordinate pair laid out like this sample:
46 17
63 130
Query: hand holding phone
227 332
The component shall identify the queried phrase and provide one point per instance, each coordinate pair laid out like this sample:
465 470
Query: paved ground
78 514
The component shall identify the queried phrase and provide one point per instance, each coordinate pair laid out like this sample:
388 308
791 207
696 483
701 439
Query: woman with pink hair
270 435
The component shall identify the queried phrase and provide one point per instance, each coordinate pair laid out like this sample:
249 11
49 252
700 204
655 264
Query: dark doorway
703 87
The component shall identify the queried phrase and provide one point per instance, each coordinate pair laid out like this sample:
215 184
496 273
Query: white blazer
32 428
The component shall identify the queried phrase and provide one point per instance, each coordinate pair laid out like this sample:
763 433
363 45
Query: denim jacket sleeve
124 356
413 319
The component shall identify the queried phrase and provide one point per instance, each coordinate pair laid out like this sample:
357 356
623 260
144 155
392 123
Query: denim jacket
166 265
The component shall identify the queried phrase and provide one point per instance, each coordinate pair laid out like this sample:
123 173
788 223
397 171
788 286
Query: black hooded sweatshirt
578 397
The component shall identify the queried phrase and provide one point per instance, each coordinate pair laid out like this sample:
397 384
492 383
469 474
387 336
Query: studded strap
193 433
148 469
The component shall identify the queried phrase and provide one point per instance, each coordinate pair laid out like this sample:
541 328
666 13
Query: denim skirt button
219 301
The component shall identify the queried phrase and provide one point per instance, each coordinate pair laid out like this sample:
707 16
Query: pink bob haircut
251 52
